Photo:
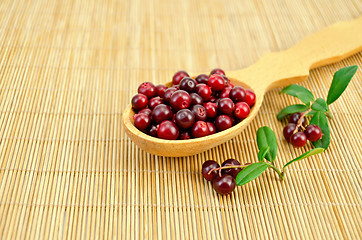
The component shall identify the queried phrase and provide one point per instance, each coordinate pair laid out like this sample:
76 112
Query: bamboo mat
67 169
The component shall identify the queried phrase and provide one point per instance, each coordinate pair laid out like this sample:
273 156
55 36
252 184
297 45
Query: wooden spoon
273 70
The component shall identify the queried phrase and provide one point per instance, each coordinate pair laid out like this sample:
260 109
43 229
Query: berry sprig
232 173
296 131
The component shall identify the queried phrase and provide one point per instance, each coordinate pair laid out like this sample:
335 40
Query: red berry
161 113
231 171
184 119
225 106
168 93
313 132
167 130
154 102
147 89
180 100
142 121
224 184
196 99
185 136
202 78
288 131
139 101
250 97
212 128
200 129
216 83
223 122
225 93
211 109
204 91
199 112
160 90
153 131
146 111
188 84
298 139
237 94
207 166
294 118
242 110
217 71
178 76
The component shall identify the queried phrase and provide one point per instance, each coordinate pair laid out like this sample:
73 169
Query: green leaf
320 120
291 109
262 153
312 152
311 113
300 92
266 138
250 173
340 82
320 105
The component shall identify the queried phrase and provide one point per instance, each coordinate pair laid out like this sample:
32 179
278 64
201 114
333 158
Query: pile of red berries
191 108
223 178
297 133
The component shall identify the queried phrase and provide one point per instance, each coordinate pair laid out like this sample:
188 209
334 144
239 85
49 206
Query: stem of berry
300 121
281 174
226 167
329 115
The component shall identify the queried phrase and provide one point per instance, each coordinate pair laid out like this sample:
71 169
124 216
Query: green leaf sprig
318 108
268 147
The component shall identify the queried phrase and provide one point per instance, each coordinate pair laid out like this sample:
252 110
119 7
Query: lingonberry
168 93
294 118
153 131
153 102
185 136
176 86
188 84
207 166
223 122
199 112
313 132
180 100
212 99
231 171
211 109
224 184
237 94
225 106
242 110
167 130
212 128
298 139
225 93
204 91
200 129
217 71
176 79
139 101
161 113
202 78
288 131
146 111
184 119
196 99
160 90
216 83
147 89
250 97
229 85
142 121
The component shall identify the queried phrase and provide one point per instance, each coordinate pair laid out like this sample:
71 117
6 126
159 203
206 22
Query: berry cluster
223 178
297 133
191 108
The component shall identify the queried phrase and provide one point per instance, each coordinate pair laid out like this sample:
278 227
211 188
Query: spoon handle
327 46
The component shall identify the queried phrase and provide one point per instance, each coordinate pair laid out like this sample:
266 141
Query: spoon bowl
273 70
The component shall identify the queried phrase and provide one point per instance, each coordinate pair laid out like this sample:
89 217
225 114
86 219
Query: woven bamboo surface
67 169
